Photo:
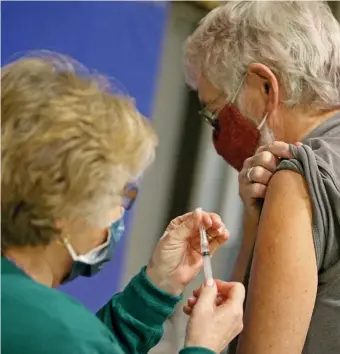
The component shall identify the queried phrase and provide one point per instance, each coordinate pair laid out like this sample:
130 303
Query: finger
190 226
257 174
217 222
192 302
269 156
265 159
212 223
177 221
207 297
206 220
255 190
187 310
182 218
216 242
222 234
217 233
223 287
215 239
220 298
220 238
260 149
280 149
203 218
214 218
247 163
196 292
217 229
235 293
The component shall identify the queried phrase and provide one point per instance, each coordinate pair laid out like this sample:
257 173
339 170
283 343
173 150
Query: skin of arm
283 282
250 230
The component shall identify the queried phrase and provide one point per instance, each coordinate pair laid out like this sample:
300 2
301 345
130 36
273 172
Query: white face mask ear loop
238 89
263 122
70 248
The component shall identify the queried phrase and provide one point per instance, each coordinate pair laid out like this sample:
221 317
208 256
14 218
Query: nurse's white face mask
92 262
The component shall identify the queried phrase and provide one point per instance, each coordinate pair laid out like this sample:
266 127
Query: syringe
206 257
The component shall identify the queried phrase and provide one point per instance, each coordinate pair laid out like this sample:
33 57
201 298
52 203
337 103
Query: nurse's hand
177 259
216 315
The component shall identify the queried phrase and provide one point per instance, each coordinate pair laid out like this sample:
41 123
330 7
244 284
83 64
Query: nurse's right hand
216 315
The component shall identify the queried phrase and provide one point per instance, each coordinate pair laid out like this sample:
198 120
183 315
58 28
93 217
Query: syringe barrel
207 268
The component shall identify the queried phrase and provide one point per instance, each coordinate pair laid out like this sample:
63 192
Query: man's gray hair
298 40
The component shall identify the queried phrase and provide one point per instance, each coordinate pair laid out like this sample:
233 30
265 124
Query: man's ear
267 87
269 84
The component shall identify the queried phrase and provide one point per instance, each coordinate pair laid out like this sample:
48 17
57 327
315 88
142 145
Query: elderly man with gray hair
270 71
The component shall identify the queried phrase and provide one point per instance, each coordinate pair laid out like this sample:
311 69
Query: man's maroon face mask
235 137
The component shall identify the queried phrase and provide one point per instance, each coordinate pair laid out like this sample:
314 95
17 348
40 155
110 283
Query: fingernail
198 210
210 282
298 144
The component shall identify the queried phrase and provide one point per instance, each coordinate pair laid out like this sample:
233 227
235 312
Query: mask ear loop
260 126
215 119
65 241
238 89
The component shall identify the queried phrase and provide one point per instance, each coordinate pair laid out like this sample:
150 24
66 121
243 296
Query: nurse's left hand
177 258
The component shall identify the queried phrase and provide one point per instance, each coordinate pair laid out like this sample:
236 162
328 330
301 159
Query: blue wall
119 39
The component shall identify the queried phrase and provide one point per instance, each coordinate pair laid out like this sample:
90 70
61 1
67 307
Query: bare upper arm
283 283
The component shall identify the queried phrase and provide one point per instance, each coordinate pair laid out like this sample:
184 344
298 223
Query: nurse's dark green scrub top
37 319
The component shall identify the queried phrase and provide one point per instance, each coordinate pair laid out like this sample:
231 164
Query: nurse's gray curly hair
68 148
298 40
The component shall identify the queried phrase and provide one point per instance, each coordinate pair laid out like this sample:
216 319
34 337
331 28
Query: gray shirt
318 160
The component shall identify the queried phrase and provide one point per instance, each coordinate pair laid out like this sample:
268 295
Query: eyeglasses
211 117
208 116
130 195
